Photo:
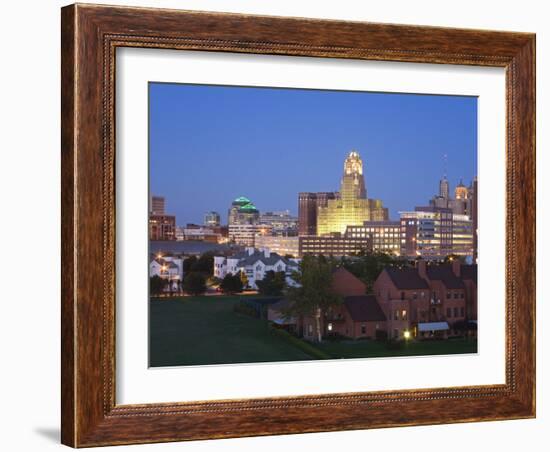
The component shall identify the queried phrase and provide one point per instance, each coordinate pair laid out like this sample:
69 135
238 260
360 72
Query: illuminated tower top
353 182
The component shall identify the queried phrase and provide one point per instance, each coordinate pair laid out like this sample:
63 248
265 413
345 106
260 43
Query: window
404 314
363 328
396 333
449 312
456 312
462 295
456 296
448 295
461 312
402 295
329 327
415 296
396 315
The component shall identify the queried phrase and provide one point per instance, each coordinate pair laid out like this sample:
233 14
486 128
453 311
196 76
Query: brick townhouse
429 300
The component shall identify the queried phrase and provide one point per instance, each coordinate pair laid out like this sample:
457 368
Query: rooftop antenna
444 166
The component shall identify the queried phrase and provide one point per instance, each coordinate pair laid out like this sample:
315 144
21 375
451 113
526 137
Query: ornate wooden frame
90 35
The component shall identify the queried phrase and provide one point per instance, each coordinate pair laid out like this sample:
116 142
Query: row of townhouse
422 302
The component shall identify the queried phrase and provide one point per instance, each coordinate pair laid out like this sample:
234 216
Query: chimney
421 266
249 250
267 253
456 267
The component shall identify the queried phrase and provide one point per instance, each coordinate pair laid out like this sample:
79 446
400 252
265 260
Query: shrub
299 343
381 335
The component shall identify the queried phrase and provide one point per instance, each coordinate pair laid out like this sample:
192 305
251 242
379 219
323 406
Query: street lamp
407 334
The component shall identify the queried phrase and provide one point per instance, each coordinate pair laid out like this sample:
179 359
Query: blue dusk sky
210 144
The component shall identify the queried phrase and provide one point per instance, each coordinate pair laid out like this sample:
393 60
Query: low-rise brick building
429 300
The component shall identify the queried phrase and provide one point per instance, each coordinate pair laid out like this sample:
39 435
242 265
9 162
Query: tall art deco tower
353 207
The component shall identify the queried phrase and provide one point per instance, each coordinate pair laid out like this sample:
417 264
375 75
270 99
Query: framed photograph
281 225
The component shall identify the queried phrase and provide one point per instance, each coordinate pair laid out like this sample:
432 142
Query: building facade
353 207
385 235
429 300
245 234
282 245
308 204
335 245
212 219
242 211
281 222
157 205
434 233
162 227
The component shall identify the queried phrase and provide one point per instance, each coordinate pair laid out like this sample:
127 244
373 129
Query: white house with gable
169 268
254 264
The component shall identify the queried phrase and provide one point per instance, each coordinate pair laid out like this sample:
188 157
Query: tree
313 295
156 285
368 266
204 264
194 283
273 283
231 284
189 263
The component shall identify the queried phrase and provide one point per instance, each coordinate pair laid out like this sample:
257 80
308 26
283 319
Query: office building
308 203
211 219
157 205
385 235
353 207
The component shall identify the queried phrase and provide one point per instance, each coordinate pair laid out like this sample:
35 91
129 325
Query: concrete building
245 234
157 206
333 245
434 233
211 219
162 227
385 235
281 222
353 207
308 203
242 211
254 264
282 245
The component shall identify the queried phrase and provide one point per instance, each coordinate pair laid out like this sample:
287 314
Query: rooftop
364 308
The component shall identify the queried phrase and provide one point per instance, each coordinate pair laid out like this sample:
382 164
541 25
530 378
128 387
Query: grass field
206 330
373 349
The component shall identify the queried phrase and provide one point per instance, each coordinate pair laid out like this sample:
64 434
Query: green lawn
373 349
205 330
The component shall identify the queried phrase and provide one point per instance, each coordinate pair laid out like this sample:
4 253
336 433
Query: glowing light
407 334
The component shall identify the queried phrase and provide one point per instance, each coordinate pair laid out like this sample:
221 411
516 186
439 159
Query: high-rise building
157 205
444 188
308 203
212 219
461 192
353 207
242 211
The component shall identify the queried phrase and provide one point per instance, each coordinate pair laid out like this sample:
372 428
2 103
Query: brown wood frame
90 35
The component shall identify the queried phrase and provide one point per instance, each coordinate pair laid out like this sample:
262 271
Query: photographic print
297 224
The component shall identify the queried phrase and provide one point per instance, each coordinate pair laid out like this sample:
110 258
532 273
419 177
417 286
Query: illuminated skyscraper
353 207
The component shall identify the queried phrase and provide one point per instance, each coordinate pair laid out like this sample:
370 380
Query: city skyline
217 131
